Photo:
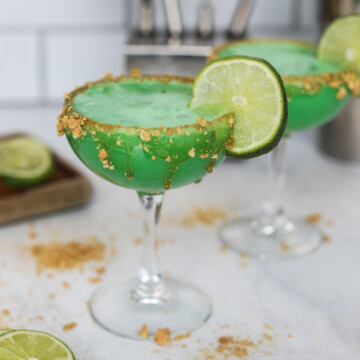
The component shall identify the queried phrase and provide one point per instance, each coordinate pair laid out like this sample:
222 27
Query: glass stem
150 288
272 217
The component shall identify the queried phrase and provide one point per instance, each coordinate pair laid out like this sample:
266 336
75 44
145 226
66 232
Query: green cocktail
155 133
144 134
317 90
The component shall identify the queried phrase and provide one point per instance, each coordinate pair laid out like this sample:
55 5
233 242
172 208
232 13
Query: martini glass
316 91
149 160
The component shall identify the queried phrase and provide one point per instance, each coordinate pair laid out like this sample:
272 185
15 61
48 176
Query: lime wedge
33 345
340 42
24 162
251 89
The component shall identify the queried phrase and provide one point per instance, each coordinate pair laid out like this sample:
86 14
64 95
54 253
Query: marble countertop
308 306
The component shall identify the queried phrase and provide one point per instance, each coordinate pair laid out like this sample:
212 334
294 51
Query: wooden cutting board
67 188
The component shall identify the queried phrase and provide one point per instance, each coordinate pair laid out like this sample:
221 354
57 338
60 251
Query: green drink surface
288 58
141 134
146 104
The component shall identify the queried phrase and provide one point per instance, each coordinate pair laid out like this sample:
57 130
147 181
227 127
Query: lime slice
251 89
340 42
24 162
33 345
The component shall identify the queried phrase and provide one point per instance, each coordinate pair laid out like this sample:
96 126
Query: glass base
263 240
184 309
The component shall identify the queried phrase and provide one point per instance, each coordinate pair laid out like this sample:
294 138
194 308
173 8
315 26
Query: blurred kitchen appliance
177 49
341 137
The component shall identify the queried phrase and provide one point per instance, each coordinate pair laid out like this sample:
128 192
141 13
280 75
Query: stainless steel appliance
177 49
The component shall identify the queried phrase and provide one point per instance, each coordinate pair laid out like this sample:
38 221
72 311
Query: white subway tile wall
81 57
61 12
49 46
18 67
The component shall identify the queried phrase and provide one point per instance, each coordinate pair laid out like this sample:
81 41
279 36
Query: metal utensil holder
176 49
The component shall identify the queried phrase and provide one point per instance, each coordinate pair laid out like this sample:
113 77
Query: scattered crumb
69 255
243 265
52 296
100 270
224 249
192 153
162 337
137 241
65 285
6 312
326 239
70 326
181 337
313 218
144 332
244 255
268 327
135 72
289 336
330 223
224 327
267 337
341 94
94 280
210 216
284 247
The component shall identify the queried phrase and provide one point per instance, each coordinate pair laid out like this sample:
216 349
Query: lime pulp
32 345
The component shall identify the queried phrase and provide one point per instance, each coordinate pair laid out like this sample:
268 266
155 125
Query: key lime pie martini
155 133
318 82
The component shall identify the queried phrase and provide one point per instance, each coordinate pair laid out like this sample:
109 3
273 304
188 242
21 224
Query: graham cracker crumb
168 159
65 285
135 72
144 332
223 249
313 219
284 247
210 216
267 337
102 154
144 135
137 241
6 312
61 256
268 327
341 94
94 280
192 153
70 326
162 337
110 76
202 122
101 270
326 239
181 337
178 130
